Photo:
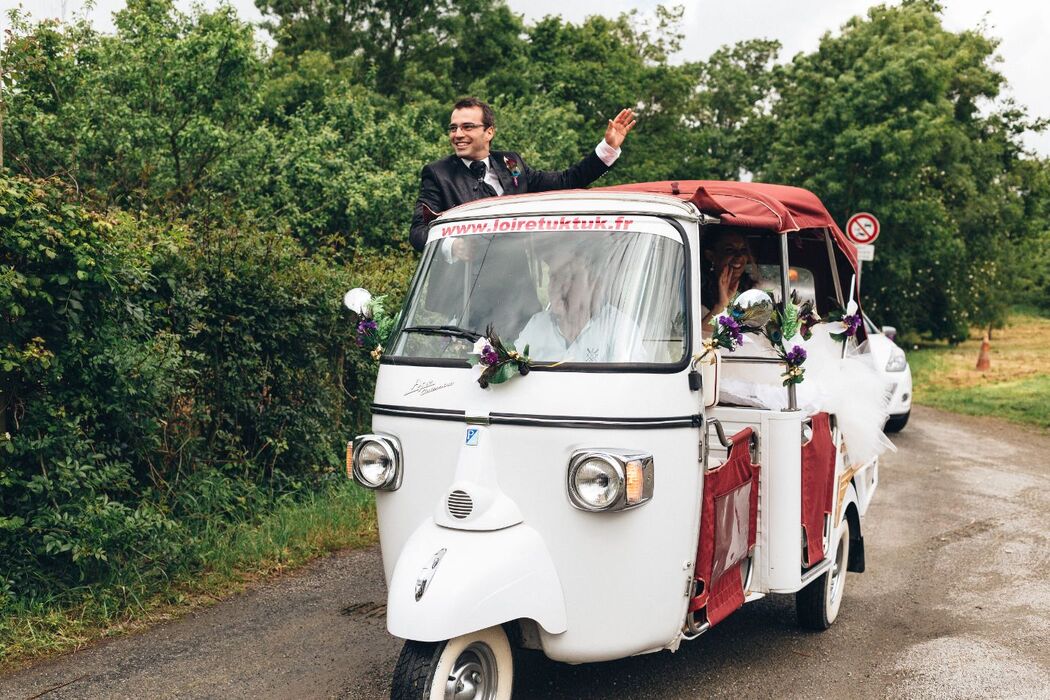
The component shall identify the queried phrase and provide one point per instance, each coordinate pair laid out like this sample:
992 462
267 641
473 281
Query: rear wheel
817 605
475 666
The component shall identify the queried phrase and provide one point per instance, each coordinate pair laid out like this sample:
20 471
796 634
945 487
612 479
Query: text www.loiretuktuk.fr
560 223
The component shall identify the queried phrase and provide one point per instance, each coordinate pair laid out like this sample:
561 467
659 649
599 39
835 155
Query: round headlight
375 462
597 483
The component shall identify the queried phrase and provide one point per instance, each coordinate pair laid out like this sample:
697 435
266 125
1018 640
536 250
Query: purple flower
365 327
732 328
489 356
852 324
796 356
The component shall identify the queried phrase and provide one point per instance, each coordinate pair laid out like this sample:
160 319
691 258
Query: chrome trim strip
818 569
413 412
540 420
588 422
754 360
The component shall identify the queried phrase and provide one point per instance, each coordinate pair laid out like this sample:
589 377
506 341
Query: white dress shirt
610 336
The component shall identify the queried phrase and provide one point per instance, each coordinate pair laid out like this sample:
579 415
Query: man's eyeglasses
452 128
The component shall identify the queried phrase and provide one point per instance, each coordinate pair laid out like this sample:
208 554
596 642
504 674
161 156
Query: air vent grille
460 504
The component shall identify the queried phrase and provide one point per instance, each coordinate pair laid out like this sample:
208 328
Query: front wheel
474 666
817 605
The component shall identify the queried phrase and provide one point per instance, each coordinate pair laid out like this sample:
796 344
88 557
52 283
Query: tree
885 117
139 118
405 49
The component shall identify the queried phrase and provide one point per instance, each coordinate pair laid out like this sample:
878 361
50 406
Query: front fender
482 579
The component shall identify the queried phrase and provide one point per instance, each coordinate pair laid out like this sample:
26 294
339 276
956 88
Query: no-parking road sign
862 228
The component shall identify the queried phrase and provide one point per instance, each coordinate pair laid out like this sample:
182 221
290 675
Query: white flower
836 327
359 301
479 346
839 326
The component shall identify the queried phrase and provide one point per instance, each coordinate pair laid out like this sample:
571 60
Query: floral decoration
731 326
845 324
807 315
496 361
513 167
373 322
793 360
794 320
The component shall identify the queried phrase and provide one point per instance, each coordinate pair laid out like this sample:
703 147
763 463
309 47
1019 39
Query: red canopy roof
778 208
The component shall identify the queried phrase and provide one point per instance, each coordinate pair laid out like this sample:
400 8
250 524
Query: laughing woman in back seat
728 268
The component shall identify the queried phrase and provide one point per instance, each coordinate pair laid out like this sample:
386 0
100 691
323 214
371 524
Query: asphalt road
955 604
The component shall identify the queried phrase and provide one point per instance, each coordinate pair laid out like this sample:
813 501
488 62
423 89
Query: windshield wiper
455 331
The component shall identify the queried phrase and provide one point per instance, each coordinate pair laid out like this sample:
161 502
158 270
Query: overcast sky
1022 25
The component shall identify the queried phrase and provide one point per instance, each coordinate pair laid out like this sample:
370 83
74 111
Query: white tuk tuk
600 501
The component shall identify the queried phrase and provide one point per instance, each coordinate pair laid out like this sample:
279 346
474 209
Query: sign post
863 229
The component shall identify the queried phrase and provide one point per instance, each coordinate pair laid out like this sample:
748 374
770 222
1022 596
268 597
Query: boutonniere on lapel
513 167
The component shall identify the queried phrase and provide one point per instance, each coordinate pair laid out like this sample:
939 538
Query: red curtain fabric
728 527
818 484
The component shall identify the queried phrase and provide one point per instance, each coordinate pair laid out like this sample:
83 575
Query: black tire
414 670
482 660
817 605
896 423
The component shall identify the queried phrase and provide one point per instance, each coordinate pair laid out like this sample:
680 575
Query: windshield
571 296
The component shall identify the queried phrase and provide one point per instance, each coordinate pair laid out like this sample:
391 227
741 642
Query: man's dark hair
488 117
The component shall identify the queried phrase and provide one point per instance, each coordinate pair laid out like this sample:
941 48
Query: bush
157 386
85 375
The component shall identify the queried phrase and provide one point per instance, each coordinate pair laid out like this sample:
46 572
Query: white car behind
891 361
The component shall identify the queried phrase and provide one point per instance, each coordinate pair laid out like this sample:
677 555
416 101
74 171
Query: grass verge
291 534
1016 388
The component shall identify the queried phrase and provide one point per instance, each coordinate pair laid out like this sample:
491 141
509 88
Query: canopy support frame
785 299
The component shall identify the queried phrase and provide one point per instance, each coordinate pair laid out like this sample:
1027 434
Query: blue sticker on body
472 436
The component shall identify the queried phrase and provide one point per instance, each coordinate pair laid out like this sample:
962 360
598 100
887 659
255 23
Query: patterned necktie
478 168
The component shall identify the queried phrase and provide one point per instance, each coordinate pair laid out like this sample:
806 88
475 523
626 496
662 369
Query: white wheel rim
473 675
836 576
838 569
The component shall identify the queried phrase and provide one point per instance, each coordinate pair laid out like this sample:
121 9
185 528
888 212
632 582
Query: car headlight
376 462
897 362
601 480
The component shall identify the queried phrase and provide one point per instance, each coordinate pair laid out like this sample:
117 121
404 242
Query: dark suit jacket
448 182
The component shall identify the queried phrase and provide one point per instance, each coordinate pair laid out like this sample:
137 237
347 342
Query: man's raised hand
618 128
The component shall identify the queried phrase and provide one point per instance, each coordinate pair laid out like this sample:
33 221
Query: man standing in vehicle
474 171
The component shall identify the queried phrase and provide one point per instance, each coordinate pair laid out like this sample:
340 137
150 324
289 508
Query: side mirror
757 306
890 332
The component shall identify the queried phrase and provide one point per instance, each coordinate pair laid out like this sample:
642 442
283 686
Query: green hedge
156 384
